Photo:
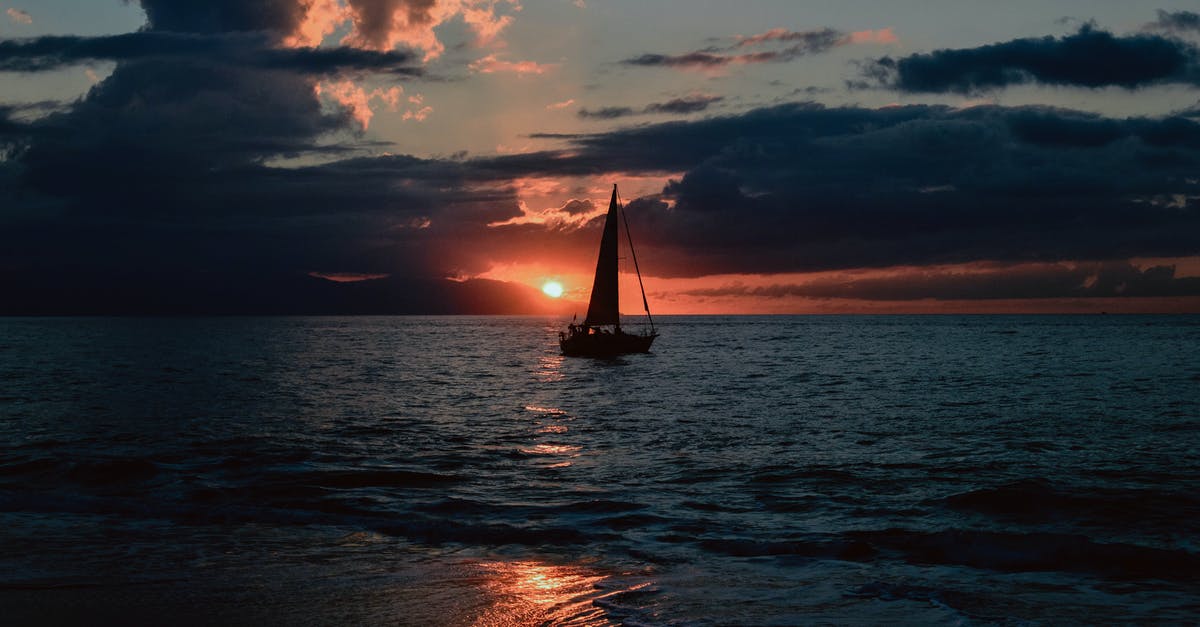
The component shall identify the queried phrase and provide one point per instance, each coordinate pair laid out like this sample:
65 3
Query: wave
842 549
989 550
376 478
1039 501
1035 552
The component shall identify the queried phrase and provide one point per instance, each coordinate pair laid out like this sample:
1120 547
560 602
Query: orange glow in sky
789 293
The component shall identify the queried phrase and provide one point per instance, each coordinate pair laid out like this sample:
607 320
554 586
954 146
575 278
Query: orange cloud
492 64
357 100
419 113
881 36
773 34
18 16
387 24
321 19
560 105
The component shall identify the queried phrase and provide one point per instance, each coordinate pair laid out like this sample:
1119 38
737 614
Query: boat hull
604 344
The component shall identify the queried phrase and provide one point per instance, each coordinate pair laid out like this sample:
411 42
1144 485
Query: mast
603 308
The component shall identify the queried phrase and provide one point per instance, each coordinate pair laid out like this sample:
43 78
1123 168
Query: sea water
748 471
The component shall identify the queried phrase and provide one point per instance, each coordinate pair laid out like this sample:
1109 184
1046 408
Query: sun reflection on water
550 368
535 593
550 449
553 416
545 410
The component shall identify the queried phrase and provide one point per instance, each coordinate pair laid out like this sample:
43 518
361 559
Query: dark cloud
689 104
373 18
691 59
579 207
678 106
814 40
1176 21
243 49
802 187
280 17
1089 280
800 44
1088 58
792 188
160 191
153 192
605 113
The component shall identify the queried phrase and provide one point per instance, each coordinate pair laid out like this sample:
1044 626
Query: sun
553 289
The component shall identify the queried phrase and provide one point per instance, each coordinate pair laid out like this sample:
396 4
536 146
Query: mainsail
604 308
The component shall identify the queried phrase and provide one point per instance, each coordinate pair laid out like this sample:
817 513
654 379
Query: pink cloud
787 45
560 105
387 24
881 36
321 18
19 16
492 64
357 101
418 113
771 35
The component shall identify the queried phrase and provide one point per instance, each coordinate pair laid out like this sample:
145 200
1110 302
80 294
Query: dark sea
924 470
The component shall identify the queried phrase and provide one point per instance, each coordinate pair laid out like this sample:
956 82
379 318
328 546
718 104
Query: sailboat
600 335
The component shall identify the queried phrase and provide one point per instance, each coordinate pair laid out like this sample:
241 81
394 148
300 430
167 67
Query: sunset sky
452 156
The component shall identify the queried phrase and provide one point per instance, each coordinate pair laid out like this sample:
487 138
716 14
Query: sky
455 156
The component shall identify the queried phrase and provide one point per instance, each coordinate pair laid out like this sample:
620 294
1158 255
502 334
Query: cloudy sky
451 156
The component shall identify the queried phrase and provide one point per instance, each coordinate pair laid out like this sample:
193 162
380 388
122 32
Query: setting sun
553 289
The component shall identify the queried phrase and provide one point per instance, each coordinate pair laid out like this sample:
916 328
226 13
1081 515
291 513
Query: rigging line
633 253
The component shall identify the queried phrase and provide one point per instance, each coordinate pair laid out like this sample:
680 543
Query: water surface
751 470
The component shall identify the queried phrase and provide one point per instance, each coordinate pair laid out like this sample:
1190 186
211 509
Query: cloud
578 207
560 105
321 19
606 113
492 64
819 40
18 16
801 187
799 44
792 188
348 277
879 36
1176 21
1023 281
156 177
244 49
386 24
357 101
379 25
1089 58
687 104
162 190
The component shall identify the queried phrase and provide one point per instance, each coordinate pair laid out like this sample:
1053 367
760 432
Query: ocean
775 470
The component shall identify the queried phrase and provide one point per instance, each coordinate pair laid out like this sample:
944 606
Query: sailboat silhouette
600 335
